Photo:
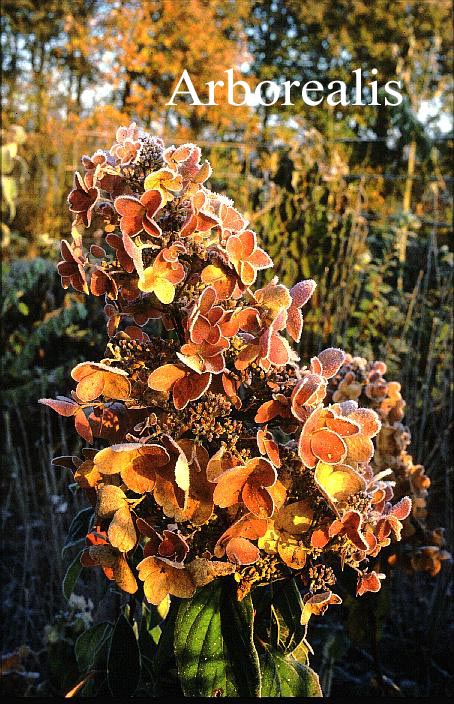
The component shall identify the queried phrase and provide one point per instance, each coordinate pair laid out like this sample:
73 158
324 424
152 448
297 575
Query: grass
37 511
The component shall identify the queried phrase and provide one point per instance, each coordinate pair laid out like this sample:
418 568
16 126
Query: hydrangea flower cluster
365 382
214 452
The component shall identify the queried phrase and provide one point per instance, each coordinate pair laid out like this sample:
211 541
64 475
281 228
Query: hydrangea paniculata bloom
221 452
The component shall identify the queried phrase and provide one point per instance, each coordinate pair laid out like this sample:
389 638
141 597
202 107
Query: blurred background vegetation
359 198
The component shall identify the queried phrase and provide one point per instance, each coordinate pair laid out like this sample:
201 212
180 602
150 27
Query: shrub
45 330
218 465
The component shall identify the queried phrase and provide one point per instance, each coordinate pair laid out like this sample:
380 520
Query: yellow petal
295 518
164 290
152 181
108 462
148 280
269 541
121 532
339 482
204 571
110 499
182 472
290 552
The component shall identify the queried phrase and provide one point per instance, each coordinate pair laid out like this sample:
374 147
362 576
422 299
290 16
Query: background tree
153 42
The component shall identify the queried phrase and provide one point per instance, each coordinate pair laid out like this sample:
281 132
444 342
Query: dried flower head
365 382
219 453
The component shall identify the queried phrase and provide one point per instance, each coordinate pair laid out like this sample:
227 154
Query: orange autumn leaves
215 449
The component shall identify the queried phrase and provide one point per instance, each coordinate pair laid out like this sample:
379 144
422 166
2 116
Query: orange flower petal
343 426
292 554
328 446
360 448
267 411
234 249
261 471
221 462
257 499
241 551
229 486
190 388
368 421
259 259
331 361
121 532
247 356
294 323
163 378
320 537
402 509
160 577
246 527
248 241
315 421
302 292
96 378
247 273
309 391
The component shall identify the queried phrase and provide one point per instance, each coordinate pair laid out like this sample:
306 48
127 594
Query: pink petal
128 206
302 292
248 241
331 360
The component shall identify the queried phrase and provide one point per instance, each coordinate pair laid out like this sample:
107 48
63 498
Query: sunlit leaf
162 577
204 571
95 379
283 676
214 644
110 499
63 406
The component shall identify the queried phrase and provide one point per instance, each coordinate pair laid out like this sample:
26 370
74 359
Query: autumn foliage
213 450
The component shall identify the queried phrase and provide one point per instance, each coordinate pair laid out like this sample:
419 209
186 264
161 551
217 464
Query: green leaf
71 577
78 529
301 652
282 676
89 644
123 663
288 607
214 644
